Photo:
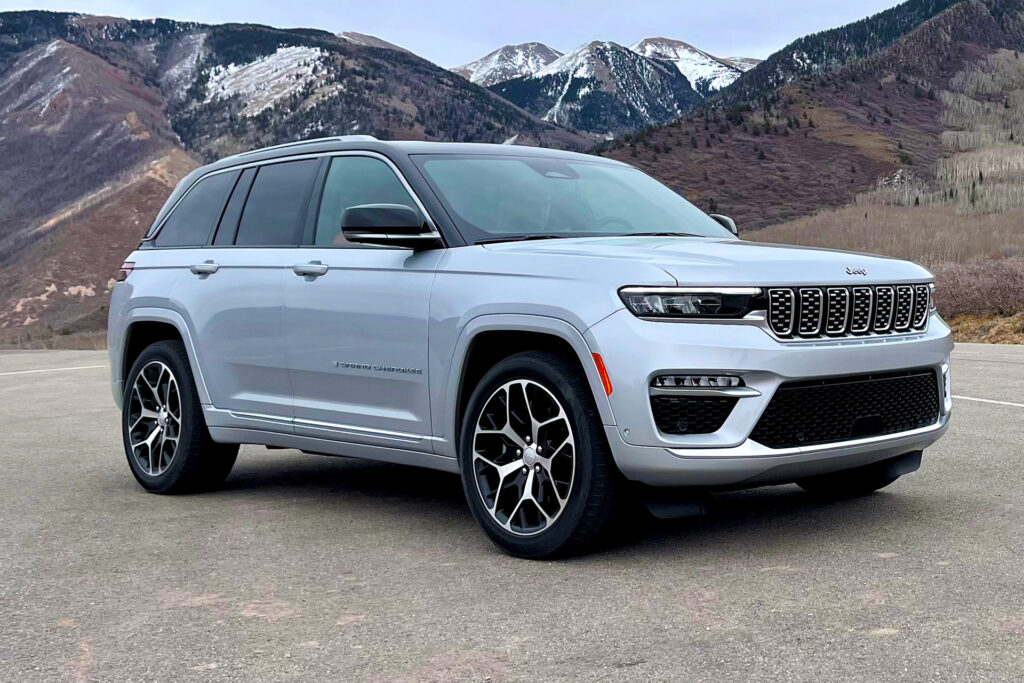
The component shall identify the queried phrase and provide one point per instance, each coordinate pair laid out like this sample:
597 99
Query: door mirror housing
392 225
726 222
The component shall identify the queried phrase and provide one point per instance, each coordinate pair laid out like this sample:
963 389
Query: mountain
829 50
508 62
705 72
602 87
909 121
100 117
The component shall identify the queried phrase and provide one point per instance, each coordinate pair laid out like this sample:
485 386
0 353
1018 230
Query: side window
353 181
196 215
277 204
233 211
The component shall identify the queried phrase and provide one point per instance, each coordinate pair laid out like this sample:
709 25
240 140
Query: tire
160 398
573 486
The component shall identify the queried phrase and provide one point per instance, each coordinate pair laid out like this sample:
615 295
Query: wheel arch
487 339
146 326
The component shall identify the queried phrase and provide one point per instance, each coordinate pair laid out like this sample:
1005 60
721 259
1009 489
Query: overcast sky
452 32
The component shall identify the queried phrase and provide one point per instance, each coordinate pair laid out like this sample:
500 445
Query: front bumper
634 351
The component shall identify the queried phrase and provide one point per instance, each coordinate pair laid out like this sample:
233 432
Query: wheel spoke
154 407
513 498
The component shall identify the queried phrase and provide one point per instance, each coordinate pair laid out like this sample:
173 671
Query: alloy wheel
154 418
524 457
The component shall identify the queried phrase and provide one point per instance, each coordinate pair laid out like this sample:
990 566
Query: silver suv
558 328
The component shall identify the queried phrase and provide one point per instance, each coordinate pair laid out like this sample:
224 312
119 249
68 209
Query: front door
356 321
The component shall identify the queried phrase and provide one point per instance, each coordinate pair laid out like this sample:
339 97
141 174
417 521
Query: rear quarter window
277 204
193 219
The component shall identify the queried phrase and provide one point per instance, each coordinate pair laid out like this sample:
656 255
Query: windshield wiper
660 234
520 238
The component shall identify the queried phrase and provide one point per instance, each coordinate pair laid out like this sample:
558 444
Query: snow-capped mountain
508 62
705 72
602 87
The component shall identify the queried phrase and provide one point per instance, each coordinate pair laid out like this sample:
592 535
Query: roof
368 143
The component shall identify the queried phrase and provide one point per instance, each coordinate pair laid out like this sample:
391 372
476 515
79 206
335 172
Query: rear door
356 319
233 293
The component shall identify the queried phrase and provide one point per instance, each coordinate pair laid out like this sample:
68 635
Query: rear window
277 203
195 216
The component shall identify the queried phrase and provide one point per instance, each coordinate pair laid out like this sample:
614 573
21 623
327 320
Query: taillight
126 269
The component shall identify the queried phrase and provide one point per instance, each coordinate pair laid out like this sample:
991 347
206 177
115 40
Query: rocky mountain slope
508 62
603 87
817 141
600 87
99 118
705 72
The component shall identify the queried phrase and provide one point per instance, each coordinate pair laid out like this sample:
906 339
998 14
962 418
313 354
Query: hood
704 261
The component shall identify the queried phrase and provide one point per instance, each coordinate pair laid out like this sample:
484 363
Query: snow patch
698 66
181 74
268 80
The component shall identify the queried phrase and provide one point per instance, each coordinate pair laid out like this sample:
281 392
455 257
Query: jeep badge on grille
857 271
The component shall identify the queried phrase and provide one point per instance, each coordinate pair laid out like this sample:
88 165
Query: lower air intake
809 413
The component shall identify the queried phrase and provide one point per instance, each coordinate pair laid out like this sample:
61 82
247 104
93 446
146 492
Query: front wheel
536 467
168 446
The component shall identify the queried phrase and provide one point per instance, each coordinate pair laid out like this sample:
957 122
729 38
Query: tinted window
353 181
492 197
196 215
233 211
277 203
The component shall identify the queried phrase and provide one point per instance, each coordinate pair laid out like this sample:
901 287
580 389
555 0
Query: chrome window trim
434 233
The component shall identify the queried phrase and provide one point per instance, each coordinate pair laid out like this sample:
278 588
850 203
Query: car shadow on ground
743 521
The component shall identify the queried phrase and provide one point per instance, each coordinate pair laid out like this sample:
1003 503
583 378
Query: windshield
493 198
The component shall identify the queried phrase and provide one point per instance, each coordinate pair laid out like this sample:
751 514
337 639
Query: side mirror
727 223
386 224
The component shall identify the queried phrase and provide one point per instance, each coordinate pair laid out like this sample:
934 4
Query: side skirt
330 447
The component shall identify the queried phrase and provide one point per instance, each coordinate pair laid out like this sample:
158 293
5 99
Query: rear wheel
536 468
168 446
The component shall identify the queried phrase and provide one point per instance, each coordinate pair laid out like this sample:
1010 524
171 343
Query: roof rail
299 143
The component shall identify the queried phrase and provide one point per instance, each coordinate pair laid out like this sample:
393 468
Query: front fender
446 398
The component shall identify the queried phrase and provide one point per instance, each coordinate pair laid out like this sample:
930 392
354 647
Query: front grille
796 313
813 412
691 414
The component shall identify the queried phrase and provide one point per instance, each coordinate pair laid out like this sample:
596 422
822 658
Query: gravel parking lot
310 568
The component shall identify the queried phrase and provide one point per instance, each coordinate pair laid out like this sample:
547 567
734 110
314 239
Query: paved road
309 567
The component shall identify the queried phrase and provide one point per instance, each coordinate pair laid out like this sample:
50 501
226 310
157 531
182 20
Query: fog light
695 381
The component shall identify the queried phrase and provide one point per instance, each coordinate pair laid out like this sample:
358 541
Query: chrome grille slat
860 317
833 312
783 307
812 312
904 306
922 303
838 312
885 305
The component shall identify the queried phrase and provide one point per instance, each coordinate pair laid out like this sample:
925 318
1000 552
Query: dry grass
928 235
46 338
988 329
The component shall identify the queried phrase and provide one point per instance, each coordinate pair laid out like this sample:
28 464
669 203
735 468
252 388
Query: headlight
692 302
931 296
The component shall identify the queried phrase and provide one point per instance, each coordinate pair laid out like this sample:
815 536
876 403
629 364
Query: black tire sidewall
170 353
549 370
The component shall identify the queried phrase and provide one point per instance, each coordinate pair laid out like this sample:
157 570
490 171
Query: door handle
311 269
204 268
